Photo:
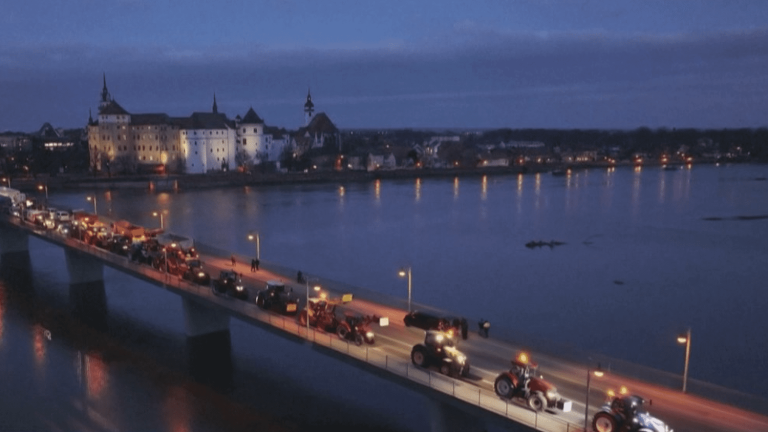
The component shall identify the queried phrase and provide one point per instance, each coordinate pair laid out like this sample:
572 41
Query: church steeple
105 96
309 108
215 108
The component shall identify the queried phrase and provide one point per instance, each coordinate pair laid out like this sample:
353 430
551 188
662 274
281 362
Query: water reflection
484 190
176 409
455 188
39 341
91 373
418 189
377 190
662 186
2 312
520 193
635 196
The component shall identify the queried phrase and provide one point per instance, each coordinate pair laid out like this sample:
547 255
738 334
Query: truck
624 413
439 349
523 382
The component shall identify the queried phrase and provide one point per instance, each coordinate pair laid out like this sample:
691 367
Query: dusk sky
391 64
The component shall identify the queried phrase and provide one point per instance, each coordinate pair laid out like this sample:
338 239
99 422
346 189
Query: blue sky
393 64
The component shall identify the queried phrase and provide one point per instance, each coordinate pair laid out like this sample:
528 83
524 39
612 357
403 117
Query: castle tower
105 96
309 108
215 108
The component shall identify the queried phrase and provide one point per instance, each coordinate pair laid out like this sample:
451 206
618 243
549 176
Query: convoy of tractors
177 256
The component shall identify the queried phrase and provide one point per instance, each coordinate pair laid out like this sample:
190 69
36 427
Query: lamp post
160 213
44 187
316 288
598 373
7 179
403 272
686 339
253 237
93 198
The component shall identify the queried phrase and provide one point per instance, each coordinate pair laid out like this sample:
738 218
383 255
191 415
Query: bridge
455 404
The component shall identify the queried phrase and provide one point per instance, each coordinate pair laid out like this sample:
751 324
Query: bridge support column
13 240
200 320
83 268
209 346
445 417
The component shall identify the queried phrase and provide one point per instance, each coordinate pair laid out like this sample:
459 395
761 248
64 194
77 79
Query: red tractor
348 325
522 382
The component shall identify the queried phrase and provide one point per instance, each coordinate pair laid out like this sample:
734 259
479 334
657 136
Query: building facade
119 141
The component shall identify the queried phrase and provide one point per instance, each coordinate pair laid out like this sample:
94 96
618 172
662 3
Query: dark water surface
645 254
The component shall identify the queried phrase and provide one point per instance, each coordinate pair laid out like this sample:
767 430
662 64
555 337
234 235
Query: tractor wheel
358 339
445 369
342 331
504 387
604 422
537 402
260 301
418 357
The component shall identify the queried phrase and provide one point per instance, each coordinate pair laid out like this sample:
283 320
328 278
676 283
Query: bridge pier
83 268
13 240
86 288
209 345
444 417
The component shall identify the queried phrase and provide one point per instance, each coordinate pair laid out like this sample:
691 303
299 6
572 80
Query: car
426 321
439 349
277 296
230 283
624 413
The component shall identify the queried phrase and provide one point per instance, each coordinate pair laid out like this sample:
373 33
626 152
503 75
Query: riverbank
236 179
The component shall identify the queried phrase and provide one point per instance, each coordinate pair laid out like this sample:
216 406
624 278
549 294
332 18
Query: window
255 130
244 141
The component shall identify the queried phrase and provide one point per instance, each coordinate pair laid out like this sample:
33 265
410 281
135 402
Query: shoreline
235 179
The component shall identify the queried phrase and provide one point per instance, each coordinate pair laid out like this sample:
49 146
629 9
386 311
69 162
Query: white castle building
205 141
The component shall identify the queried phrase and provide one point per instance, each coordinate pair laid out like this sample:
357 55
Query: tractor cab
523 367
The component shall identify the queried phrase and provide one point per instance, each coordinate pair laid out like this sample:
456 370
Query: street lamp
93 198
160 213
686 339
598 373
41 187
7 179
316 288
403 272
253 237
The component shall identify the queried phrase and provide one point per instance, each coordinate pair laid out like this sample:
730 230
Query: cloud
474 77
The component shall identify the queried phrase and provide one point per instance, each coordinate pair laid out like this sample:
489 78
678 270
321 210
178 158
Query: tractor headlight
369 335
461 359
201 274
239 288
551 394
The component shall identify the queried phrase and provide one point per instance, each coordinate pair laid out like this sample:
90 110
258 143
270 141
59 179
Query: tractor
522 382
624 414
439 349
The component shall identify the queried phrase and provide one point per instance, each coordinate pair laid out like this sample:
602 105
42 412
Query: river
640 256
